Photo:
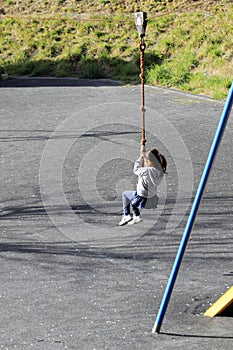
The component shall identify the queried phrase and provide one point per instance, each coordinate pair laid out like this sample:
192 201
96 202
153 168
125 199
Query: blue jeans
127 197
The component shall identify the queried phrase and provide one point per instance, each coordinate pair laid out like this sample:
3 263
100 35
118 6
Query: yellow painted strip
221 304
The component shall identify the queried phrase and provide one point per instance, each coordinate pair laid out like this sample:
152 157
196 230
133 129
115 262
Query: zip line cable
82 19
107 17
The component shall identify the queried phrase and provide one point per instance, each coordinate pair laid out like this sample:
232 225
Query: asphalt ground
70 277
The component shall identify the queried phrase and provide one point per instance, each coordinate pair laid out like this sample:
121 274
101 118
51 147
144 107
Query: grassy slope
189 43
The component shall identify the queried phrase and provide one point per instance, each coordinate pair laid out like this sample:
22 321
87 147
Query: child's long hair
153 155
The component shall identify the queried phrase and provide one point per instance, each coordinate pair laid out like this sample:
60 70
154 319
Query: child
149 168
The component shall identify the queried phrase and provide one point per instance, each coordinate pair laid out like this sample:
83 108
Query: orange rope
142 76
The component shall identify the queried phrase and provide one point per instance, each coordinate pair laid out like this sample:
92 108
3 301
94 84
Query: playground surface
70 277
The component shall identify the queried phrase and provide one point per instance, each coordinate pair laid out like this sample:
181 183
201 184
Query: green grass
189 48
195 54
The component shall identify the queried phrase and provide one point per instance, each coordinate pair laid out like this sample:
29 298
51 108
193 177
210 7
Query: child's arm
139 164
143 153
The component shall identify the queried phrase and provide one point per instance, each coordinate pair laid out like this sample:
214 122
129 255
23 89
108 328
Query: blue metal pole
193 212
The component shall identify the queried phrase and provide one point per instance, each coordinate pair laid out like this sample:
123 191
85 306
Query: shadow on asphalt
56 82
62 135
195 335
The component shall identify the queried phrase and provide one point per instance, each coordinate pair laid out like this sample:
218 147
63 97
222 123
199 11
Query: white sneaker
125 219
136 220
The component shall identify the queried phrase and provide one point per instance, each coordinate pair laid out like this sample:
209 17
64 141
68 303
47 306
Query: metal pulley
141 23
